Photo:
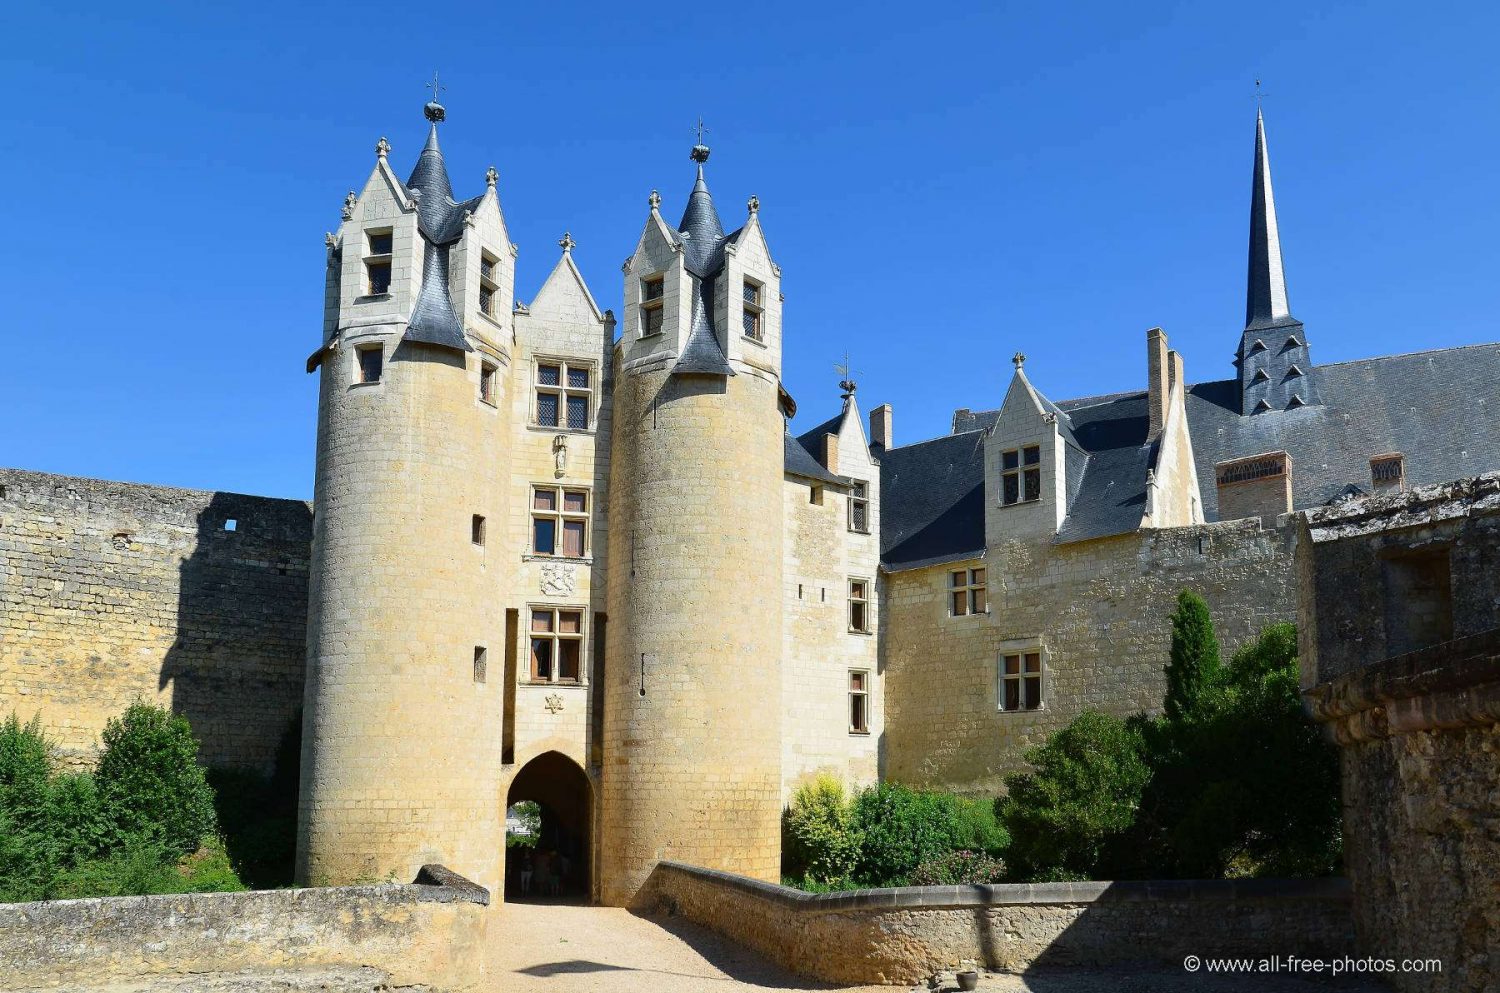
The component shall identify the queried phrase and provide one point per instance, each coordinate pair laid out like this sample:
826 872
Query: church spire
1265 295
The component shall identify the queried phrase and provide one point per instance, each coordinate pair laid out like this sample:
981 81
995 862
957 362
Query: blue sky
941 184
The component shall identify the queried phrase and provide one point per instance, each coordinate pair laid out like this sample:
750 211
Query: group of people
543 871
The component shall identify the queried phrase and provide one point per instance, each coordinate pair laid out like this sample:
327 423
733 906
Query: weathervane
846 383
1259 95
699 153
434 111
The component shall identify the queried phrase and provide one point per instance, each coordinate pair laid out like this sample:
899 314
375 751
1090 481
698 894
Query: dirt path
543 948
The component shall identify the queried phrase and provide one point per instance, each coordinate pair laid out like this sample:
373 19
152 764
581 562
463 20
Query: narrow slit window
481 663
753 310
487 382
476 530
489 285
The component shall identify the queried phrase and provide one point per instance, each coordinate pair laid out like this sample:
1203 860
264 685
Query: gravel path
562 949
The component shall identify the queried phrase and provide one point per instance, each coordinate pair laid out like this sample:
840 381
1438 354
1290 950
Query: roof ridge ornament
382 148
654 200
566 243
1018 360
699 154
846 380
753 204
435 111
491 177
349 202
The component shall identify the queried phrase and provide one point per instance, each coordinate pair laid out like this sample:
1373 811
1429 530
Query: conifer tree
1195 657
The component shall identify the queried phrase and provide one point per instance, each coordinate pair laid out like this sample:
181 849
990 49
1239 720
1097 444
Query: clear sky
941 184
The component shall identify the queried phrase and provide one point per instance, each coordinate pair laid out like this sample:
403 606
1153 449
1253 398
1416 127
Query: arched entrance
558 858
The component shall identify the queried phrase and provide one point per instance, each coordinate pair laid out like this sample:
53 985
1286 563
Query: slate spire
703 256
434 320
700 224
1265 294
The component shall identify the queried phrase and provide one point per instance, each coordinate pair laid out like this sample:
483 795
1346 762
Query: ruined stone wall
1098 611
902 936
114 592
431 934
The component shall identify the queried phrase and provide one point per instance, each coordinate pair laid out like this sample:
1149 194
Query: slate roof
441 222
800 462
1438 408
702 238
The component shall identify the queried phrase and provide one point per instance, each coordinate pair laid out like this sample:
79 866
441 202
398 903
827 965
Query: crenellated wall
114 592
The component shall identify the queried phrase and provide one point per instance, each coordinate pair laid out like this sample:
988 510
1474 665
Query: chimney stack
1158 369
882 430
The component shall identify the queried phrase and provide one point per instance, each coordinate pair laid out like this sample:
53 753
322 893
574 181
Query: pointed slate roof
702 238
703 234
440 220
1266 303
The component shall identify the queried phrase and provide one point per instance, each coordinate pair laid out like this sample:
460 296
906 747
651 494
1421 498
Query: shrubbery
883 835
142 823
957 869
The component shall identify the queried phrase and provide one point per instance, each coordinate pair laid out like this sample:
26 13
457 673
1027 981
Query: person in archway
526 871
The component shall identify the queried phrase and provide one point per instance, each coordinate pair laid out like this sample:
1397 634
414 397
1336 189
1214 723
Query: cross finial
382 148
699 153
567 244
753 204
491 177
434 111
701 130
654 199
1259 94
1018 360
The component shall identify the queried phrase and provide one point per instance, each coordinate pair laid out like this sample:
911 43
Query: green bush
958 869
24 770
150 781
1193 664
900 828
1068 816
819 838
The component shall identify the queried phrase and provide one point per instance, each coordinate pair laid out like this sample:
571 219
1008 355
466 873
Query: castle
557 556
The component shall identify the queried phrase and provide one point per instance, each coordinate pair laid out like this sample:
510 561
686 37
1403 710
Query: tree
1068 816
149 779
1194 662
820 841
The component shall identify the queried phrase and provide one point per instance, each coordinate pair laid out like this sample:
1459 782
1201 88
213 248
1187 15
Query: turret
401 742
692 725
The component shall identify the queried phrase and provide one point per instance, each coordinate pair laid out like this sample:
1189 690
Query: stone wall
1419 733
430 933
904 935
119 591
1099 611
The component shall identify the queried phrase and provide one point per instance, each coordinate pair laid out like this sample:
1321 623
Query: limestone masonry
568 557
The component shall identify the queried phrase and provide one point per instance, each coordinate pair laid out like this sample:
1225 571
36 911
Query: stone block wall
1099 612
431 934
905 935
114 592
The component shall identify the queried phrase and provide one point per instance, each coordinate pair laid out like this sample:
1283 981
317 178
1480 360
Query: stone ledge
439 884
1028 894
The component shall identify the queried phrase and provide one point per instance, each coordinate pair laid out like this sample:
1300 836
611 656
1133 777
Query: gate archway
559 861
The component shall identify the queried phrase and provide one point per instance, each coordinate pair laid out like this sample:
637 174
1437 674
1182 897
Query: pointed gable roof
563 282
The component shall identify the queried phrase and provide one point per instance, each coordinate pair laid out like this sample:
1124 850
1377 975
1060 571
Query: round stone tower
403 702
692 719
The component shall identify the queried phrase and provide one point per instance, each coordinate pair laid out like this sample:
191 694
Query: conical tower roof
1265 295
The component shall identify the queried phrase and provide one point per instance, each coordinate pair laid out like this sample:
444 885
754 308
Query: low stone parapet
429 933
904 935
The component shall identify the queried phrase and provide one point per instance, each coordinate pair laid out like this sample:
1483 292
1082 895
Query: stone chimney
881 430
1157 384
1257 486
831 453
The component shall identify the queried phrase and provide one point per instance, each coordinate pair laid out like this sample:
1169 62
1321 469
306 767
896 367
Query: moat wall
902 936
118 591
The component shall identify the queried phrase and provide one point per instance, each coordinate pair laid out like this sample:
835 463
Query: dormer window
488 287
563 394
378 262
653 292
753 294
1021 475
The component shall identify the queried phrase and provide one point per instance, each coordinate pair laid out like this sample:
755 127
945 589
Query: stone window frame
1022 473
555 636
489 372
361 374
859 693
378 262
974 590
489 286
563 391
1022 648
653 306
865 601
753 309
560 517
859 498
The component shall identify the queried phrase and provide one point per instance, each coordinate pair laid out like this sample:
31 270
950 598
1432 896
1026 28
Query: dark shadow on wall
235 670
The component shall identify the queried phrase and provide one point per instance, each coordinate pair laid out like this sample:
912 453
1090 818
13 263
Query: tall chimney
882 431
1157 385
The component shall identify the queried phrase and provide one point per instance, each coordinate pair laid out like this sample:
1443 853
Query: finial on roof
699 154
753 204
382 148
349 202
567 244
491 177
434 110
846 382
654 199
1018 360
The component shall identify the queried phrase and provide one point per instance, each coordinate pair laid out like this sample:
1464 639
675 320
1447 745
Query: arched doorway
557 855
